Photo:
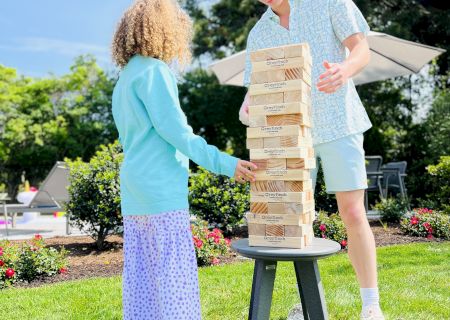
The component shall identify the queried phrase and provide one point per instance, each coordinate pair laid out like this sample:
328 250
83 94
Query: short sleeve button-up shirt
324 24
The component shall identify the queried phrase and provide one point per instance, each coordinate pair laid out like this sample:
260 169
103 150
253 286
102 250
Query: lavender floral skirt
160 280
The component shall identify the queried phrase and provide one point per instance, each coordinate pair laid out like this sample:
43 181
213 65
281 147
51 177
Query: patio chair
394 174
374 175
51 196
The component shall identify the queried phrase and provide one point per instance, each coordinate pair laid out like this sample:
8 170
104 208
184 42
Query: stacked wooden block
279 139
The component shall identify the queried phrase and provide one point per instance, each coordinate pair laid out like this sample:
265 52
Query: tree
45 120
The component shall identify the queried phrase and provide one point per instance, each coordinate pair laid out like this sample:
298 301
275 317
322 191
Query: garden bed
86 262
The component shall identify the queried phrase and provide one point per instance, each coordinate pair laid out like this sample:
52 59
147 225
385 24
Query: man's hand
335 76
243 112
243 171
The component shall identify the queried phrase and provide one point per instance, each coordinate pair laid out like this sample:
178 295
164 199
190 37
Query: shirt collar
269 14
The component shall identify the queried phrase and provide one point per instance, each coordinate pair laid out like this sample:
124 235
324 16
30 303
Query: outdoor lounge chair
50 197
374 176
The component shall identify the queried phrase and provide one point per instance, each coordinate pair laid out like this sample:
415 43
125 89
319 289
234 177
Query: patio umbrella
390 57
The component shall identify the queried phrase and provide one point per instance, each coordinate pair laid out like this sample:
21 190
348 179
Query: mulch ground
85 261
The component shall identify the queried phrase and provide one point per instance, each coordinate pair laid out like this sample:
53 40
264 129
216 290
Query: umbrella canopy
390 57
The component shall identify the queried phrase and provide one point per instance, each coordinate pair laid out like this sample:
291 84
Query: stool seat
319 248
307 273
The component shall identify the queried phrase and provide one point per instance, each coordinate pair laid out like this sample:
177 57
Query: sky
43 37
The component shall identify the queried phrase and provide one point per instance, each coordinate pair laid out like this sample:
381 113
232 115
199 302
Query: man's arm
337 74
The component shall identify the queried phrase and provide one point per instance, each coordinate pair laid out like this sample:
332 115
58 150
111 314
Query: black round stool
306 270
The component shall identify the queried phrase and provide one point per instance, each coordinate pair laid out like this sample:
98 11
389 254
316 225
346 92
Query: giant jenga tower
279 139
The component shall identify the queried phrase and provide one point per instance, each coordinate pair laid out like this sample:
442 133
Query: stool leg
311 290
262 289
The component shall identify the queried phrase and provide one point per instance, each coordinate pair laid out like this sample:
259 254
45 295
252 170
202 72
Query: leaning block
301 163
288 119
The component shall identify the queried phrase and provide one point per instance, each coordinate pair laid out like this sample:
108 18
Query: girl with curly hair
160 278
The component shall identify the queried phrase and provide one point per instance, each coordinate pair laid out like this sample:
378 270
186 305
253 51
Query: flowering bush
209 244
392 209
218 199
330 227
424 222
29 260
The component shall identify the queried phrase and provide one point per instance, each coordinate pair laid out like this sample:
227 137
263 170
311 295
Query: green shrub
424 222
218 199
441 178
29 260
94 192
209 245
330 227
392 209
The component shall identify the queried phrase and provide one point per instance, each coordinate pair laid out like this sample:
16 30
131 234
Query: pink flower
217 231
2 263
323 235
211 235
426 225
323 227
37 237
429 236
63 270
215 261
1 252
414 220
344 243
199 244
9 273
217 240
227 241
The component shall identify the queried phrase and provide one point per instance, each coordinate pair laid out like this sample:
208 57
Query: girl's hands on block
243 171
333 78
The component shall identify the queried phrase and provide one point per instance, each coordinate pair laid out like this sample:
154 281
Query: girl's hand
333 78
243 112
243 171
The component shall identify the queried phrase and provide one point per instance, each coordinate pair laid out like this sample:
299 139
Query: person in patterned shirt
331 28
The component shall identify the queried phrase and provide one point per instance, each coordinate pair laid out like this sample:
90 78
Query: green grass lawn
414 284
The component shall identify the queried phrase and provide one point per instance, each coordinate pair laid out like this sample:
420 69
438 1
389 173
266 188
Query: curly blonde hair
153 28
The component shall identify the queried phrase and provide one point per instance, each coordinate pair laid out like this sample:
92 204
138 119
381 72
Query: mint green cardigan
157 140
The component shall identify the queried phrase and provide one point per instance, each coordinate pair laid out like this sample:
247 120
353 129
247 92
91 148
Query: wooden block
297 73
280 219
268 76
267 54
297 96
277 153
301 163
297 50
259 207
306 132
267 186
288 119
274 230
277 242
300 197
257 121
298 186
273 131
297 231
266 98
289 208
278 108
283 174
285 63
277 87
284 142
256 229
255 143
265 164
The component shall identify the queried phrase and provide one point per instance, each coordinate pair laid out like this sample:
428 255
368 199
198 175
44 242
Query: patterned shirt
324 24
